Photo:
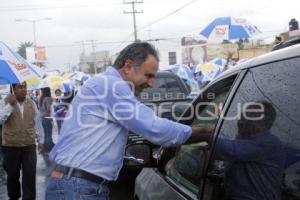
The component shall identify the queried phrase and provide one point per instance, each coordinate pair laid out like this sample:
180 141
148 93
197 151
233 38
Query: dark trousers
48 125
16 159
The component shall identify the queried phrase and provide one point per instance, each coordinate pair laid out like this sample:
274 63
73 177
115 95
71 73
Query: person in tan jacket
20 124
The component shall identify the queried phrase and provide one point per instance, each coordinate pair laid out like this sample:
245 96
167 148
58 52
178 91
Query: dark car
169 98
192 171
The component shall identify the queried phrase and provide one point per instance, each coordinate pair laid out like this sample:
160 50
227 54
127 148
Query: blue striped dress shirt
94 133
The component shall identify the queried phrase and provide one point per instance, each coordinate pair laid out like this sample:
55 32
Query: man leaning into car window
90 150
255 158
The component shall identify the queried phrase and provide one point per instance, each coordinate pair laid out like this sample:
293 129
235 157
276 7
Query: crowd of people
202 81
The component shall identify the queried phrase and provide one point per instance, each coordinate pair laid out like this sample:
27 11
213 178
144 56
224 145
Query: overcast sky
104 21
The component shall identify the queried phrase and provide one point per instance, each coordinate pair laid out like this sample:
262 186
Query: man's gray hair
137 52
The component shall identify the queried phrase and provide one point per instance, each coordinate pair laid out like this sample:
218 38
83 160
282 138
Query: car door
277 83
181 175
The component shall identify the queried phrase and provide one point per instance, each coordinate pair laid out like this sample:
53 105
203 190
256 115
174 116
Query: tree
22 51
22 48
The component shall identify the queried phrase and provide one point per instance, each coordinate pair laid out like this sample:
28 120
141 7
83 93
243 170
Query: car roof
165 74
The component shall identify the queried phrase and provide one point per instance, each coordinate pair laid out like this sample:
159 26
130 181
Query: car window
186 168
273 158
160 83
174 89
165 88
207 116
156 93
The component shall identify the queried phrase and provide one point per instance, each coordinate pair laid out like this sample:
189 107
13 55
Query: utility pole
33 21
133 2
94 54
82 46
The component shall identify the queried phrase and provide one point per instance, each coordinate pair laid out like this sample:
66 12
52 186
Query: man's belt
60 171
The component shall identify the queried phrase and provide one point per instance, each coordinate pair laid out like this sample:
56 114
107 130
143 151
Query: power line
135 31
79 43
82 46
47 7
94 54
168 38
168 15
156 21
133 12
122 42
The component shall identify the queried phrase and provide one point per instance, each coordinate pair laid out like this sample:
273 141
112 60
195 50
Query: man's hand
12 100
40 148
200 134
